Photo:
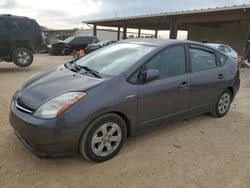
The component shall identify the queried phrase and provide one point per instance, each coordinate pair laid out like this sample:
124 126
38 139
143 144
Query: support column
124 32
94 30
173 28
139 33
156 33
118 33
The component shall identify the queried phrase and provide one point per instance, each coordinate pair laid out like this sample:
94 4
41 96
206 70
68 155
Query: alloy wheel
106 139
23 57
224 103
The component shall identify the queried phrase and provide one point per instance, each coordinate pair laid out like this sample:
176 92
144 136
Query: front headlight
56 106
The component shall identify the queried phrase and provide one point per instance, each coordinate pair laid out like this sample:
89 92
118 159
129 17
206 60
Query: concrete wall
233 34
54 35
101 34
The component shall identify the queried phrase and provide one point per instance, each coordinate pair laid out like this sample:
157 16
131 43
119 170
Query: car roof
215 44
158 42
13 16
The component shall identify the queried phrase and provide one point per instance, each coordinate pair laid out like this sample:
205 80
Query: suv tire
22 57
65 51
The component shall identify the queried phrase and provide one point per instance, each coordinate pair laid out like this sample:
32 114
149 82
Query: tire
103 138
65 51
22 57
223 104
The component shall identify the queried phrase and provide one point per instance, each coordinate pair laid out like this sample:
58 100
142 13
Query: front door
167 97
3 39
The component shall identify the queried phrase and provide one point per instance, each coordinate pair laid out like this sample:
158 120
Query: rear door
4 39
167 97
207 79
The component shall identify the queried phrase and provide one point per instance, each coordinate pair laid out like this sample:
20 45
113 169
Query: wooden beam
173 28
156 33
118 33
95 30
215 17
124 32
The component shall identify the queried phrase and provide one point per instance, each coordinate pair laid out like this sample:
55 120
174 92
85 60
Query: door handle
184 84
220 76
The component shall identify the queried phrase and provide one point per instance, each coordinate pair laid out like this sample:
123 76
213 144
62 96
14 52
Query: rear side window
3 26
76 40
89 40
170 62
85 40
202 60
222 59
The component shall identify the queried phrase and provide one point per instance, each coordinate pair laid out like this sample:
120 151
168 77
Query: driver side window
170 62
76 41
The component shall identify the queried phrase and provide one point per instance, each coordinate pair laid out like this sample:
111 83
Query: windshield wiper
92 71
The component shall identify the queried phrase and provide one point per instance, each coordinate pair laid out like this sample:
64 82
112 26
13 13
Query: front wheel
223 104
103 138
22 57
65 51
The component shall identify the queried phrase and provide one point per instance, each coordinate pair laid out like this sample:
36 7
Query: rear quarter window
3 26
14 25
202 60
24 25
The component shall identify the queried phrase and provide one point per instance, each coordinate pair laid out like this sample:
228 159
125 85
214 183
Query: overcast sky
70 13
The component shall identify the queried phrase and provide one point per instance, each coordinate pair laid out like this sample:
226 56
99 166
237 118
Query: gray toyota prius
92 104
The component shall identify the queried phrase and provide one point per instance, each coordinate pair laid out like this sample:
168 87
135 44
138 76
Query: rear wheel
223 104
103 138
22 57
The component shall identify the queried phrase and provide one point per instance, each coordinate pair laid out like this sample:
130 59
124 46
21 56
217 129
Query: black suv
20 37
72 43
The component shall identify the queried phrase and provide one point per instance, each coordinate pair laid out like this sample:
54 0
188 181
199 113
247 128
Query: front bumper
45 138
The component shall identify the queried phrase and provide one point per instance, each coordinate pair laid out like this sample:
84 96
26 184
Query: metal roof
175 13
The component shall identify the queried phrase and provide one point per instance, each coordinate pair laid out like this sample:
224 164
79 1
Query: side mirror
152 74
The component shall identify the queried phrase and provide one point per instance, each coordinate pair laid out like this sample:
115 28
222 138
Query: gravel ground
199 152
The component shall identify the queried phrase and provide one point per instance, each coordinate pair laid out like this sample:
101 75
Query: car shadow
14 69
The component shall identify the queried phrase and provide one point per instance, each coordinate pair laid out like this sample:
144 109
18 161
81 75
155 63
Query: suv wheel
65 51
223 104
103 138
22 57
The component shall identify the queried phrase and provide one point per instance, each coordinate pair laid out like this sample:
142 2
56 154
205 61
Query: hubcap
224 103
23 57
106 139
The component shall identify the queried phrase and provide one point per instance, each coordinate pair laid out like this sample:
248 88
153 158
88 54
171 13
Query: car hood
47 85
62 42
93 45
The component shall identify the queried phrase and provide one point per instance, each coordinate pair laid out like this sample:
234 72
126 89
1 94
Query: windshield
69 39
115 59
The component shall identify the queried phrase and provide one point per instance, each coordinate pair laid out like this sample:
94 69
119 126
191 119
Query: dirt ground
201 152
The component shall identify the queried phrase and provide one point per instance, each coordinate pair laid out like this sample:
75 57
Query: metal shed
222 24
